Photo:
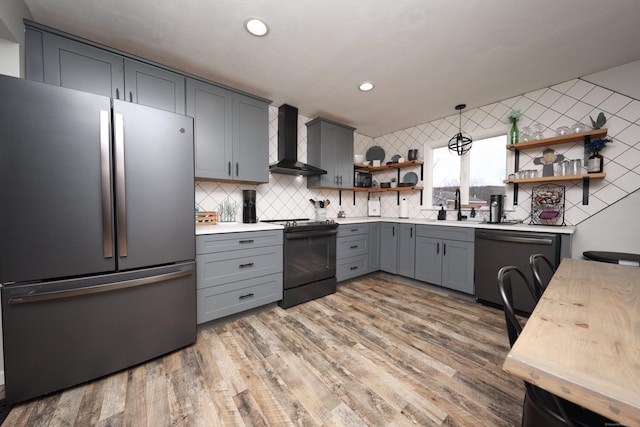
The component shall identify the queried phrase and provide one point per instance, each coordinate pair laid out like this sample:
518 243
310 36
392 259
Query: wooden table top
582 341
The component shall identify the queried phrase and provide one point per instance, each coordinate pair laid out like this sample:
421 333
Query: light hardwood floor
379 352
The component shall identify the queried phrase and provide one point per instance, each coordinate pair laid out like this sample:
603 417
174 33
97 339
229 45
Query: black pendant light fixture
460 143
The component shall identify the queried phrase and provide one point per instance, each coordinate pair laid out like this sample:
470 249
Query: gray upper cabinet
330 147
231 133
154 87
68 63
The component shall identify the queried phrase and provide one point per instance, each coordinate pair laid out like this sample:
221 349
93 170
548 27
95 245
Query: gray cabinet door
158 177
406 250
330 147
389 247
152 86
457 265
344 157
250 139
75 65
374 246
428 266
212 110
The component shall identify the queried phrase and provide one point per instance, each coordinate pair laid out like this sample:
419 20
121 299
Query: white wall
12 13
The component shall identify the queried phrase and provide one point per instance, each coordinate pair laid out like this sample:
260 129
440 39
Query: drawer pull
246 296
245 241
354 247
355 229
353 268
249 264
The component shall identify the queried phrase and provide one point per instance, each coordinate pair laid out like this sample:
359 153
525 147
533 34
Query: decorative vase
514 134
595 162
394 184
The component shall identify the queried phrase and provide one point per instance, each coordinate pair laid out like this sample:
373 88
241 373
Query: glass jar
594 164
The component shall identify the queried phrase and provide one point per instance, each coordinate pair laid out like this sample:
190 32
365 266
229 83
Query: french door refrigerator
97 241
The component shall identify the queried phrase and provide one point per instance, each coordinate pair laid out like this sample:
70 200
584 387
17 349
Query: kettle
496 204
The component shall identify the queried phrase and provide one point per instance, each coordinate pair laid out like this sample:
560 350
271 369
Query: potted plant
394 184
595 162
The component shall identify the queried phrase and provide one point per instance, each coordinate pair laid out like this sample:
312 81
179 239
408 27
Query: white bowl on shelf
358 158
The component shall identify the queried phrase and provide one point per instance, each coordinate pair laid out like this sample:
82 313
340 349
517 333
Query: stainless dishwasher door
495 249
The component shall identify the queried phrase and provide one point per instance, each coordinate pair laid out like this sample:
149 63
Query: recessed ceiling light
366 86
256 26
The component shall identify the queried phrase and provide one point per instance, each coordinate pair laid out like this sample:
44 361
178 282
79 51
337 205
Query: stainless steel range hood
288 163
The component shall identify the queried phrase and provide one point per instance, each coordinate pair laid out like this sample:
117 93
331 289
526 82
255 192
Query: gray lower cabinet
374 246
406 250
352 251
237 272
330 147
389 247
61 61
231 133
445 256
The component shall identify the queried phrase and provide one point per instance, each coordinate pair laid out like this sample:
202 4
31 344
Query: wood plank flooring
379 352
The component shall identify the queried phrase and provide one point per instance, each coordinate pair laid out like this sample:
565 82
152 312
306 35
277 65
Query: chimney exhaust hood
288 163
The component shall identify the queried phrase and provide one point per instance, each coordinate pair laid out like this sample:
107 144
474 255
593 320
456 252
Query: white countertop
566 229
235 227
239 227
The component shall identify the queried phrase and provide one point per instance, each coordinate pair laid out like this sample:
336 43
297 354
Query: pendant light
460 143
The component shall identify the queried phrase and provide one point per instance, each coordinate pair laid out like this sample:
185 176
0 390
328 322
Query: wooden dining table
582 341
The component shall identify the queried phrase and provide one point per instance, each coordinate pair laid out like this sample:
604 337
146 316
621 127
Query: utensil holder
321 214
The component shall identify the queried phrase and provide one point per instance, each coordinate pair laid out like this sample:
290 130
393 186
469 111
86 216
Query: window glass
484 165
487 169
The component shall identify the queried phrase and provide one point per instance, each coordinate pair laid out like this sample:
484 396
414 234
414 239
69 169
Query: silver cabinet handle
54 295
120 185
105 186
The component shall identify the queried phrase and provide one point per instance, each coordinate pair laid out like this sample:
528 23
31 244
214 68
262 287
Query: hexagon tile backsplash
560 105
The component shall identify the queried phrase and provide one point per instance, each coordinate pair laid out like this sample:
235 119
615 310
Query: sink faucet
458 204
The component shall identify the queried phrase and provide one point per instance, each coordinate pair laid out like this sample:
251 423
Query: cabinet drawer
353 229
223 267
210 243
214 303
352 246
443 232
351 267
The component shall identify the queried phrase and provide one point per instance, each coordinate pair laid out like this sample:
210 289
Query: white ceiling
425 56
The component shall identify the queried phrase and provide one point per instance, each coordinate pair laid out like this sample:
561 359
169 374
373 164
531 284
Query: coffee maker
249 207
496 204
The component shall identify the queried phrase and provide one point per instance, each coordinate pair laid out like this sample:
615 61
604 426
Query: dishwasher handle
515 239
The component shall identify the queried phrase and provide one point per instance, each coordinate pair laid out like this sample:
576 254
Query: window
478 174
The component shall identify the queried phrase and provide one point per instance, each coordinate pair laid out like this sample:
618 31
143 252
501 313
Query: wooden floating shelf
564 139
601 175
402 165
382 190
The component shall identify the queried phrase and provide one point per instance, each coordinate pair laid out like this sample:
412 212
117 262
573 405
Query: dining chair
540 408
535 262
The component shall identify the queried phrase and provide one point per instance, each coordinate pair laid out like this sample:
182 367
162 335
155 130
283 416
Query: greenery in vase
514 115
596 145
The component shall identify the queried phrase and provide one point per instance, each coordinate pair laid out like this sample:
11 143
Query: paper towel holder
404 208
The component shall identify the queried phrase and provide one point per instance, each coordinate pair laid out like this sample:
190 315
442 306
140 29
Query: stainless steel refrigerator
97 241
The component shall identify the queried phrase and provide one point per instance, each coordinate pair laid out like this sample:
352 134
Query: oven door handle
305 234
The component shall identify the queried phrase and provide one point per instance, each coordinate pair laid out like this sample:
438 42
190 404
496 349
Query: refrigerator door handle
120 185
105 174
108 287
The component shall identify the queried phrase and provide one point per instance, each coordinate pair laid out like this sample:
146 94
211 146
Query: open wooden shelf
380 168
601 175
564 139
382 190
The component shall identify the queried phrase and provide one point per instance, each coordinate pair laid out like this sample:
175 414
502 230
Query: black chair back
506 294
535 261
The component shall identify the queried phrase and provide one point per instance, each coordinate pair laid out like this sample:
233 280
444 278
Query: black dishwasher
495 249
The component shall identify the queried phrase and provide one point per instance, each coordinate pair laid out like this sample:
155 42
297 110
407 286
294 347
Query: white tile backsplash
559 105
